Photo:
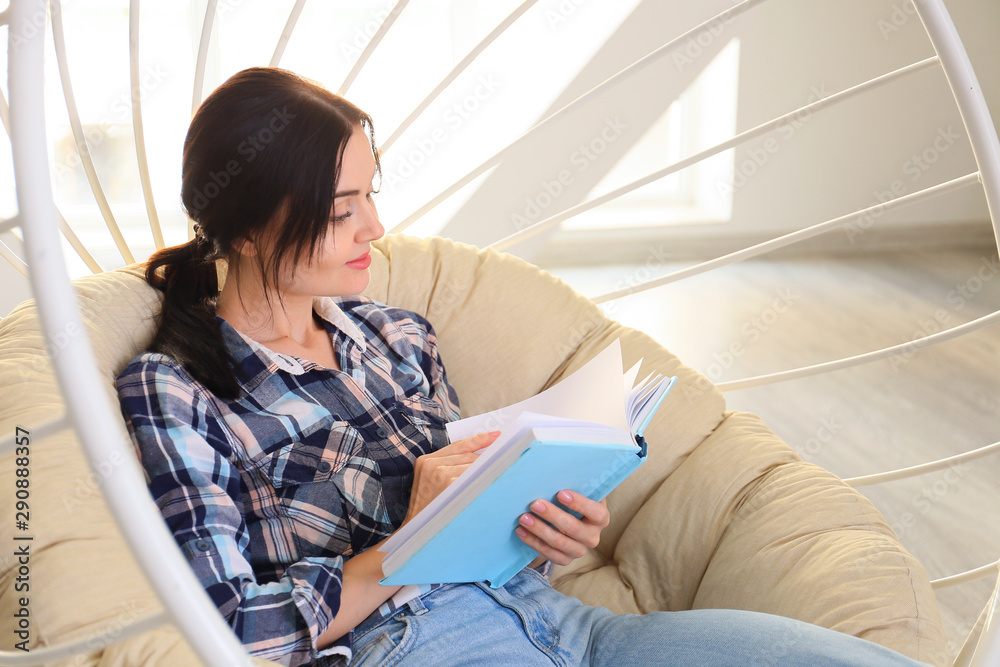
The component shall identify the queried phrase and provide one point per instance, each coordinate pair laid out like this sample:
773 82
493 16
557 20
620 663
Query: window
703 116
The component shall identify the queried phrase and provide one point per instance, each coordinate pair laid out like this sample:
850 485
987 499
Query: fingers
461 452
558 535
474 443
559 528
440 465
594 512
433 472
550 552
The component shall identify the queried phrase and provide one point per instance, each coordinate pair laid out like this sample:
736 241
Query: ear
245 247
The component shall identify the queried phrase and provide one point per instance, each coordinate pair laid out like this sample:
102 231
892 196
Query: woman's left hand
567 538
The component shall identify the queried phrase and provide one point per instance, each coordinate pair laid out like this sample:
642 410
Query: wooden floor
799 310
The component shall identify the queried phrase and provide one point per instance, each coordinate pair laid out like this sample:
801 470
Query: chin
352 286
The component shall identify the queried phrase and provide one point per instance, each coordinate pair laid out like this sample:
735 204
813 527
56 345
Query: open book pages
645 398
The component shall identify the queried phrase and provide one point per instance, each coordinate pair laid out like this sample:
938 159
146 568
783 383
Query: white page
630 376
592 393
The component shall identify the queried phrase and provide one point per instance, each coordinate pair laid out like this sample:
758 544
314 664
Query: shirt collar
328 310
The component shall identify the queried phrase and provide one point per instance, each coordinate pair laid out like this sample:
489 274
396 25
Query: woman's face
335 269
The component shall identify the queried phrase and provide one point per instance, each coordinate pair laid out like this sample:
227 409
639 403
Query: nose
372 229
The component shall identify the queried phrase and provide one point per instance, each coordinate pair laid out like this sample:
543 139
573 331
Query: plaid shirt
270 494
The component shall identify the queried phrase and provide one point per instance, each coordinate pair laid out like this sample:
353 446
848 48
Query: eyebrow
351 193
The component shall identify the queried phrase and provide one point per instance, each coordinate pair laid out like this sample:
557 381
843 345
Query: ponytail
188 330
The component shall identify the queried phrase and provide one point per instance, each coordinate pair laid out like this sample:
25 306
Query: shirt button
381 432
325 466
202 545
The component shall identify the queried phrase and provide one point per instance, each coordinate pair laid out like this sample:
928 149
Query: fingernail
527 520
538 506
565 496
494 433
521 532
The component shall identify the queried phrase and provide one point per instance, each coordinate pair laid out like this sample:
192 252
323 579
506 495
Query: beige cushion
723 514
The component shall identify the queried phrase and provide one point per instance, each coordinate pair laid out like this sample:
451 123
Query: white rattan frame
93 417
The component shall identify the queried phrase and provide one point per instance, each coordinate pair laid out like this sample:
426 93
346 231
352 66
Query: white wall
835 162
841 159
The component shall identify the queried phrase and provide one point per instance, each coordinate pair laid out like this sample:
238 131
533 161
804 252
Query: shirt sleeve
187 458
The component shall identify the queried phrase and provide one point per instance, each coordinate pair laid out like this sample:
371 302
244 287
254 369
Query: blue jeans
526 622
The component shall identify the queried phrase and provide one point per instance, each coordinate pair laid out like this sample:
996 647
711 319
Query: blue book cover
467 533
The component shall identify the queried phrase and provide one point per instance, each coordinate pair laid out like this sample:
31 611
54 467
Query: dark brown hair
265 146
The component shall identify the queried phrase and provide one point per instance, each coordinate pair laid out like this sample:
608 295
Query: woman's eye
341 218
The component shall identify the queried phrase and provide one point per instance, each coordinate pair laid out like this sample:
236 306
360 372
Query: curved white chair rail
167 570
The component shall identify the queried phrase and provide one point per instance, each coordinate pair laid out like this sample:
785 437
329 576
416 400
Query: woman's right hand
433 472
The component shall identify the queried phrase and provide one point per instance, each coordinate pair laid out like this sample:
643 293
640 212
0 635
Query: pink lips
361 262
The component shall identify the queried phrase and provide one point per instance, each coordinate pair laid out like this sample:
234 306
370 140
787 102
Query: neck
244 305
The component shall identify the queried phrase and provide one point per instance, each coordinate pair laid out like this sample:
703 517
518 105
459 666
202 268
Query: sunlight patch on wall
702 116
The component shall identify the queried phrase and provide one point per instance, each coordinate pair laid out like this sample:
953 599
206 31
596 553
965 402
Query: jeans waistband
524 581
414 605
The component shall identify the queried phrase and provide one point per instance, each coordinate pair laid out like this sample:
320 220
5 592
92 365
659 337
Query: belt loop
417 606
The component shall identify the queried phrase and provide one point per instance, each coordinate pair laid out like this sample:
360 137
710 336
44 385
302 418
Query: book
584 434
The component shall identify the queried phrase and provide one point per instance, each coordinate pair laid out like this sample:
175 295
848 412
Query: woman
288 426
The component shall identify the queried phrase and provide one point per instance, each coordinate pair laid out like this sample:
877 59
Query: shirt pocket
310 460
428 418
424 410
269 428
324 492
